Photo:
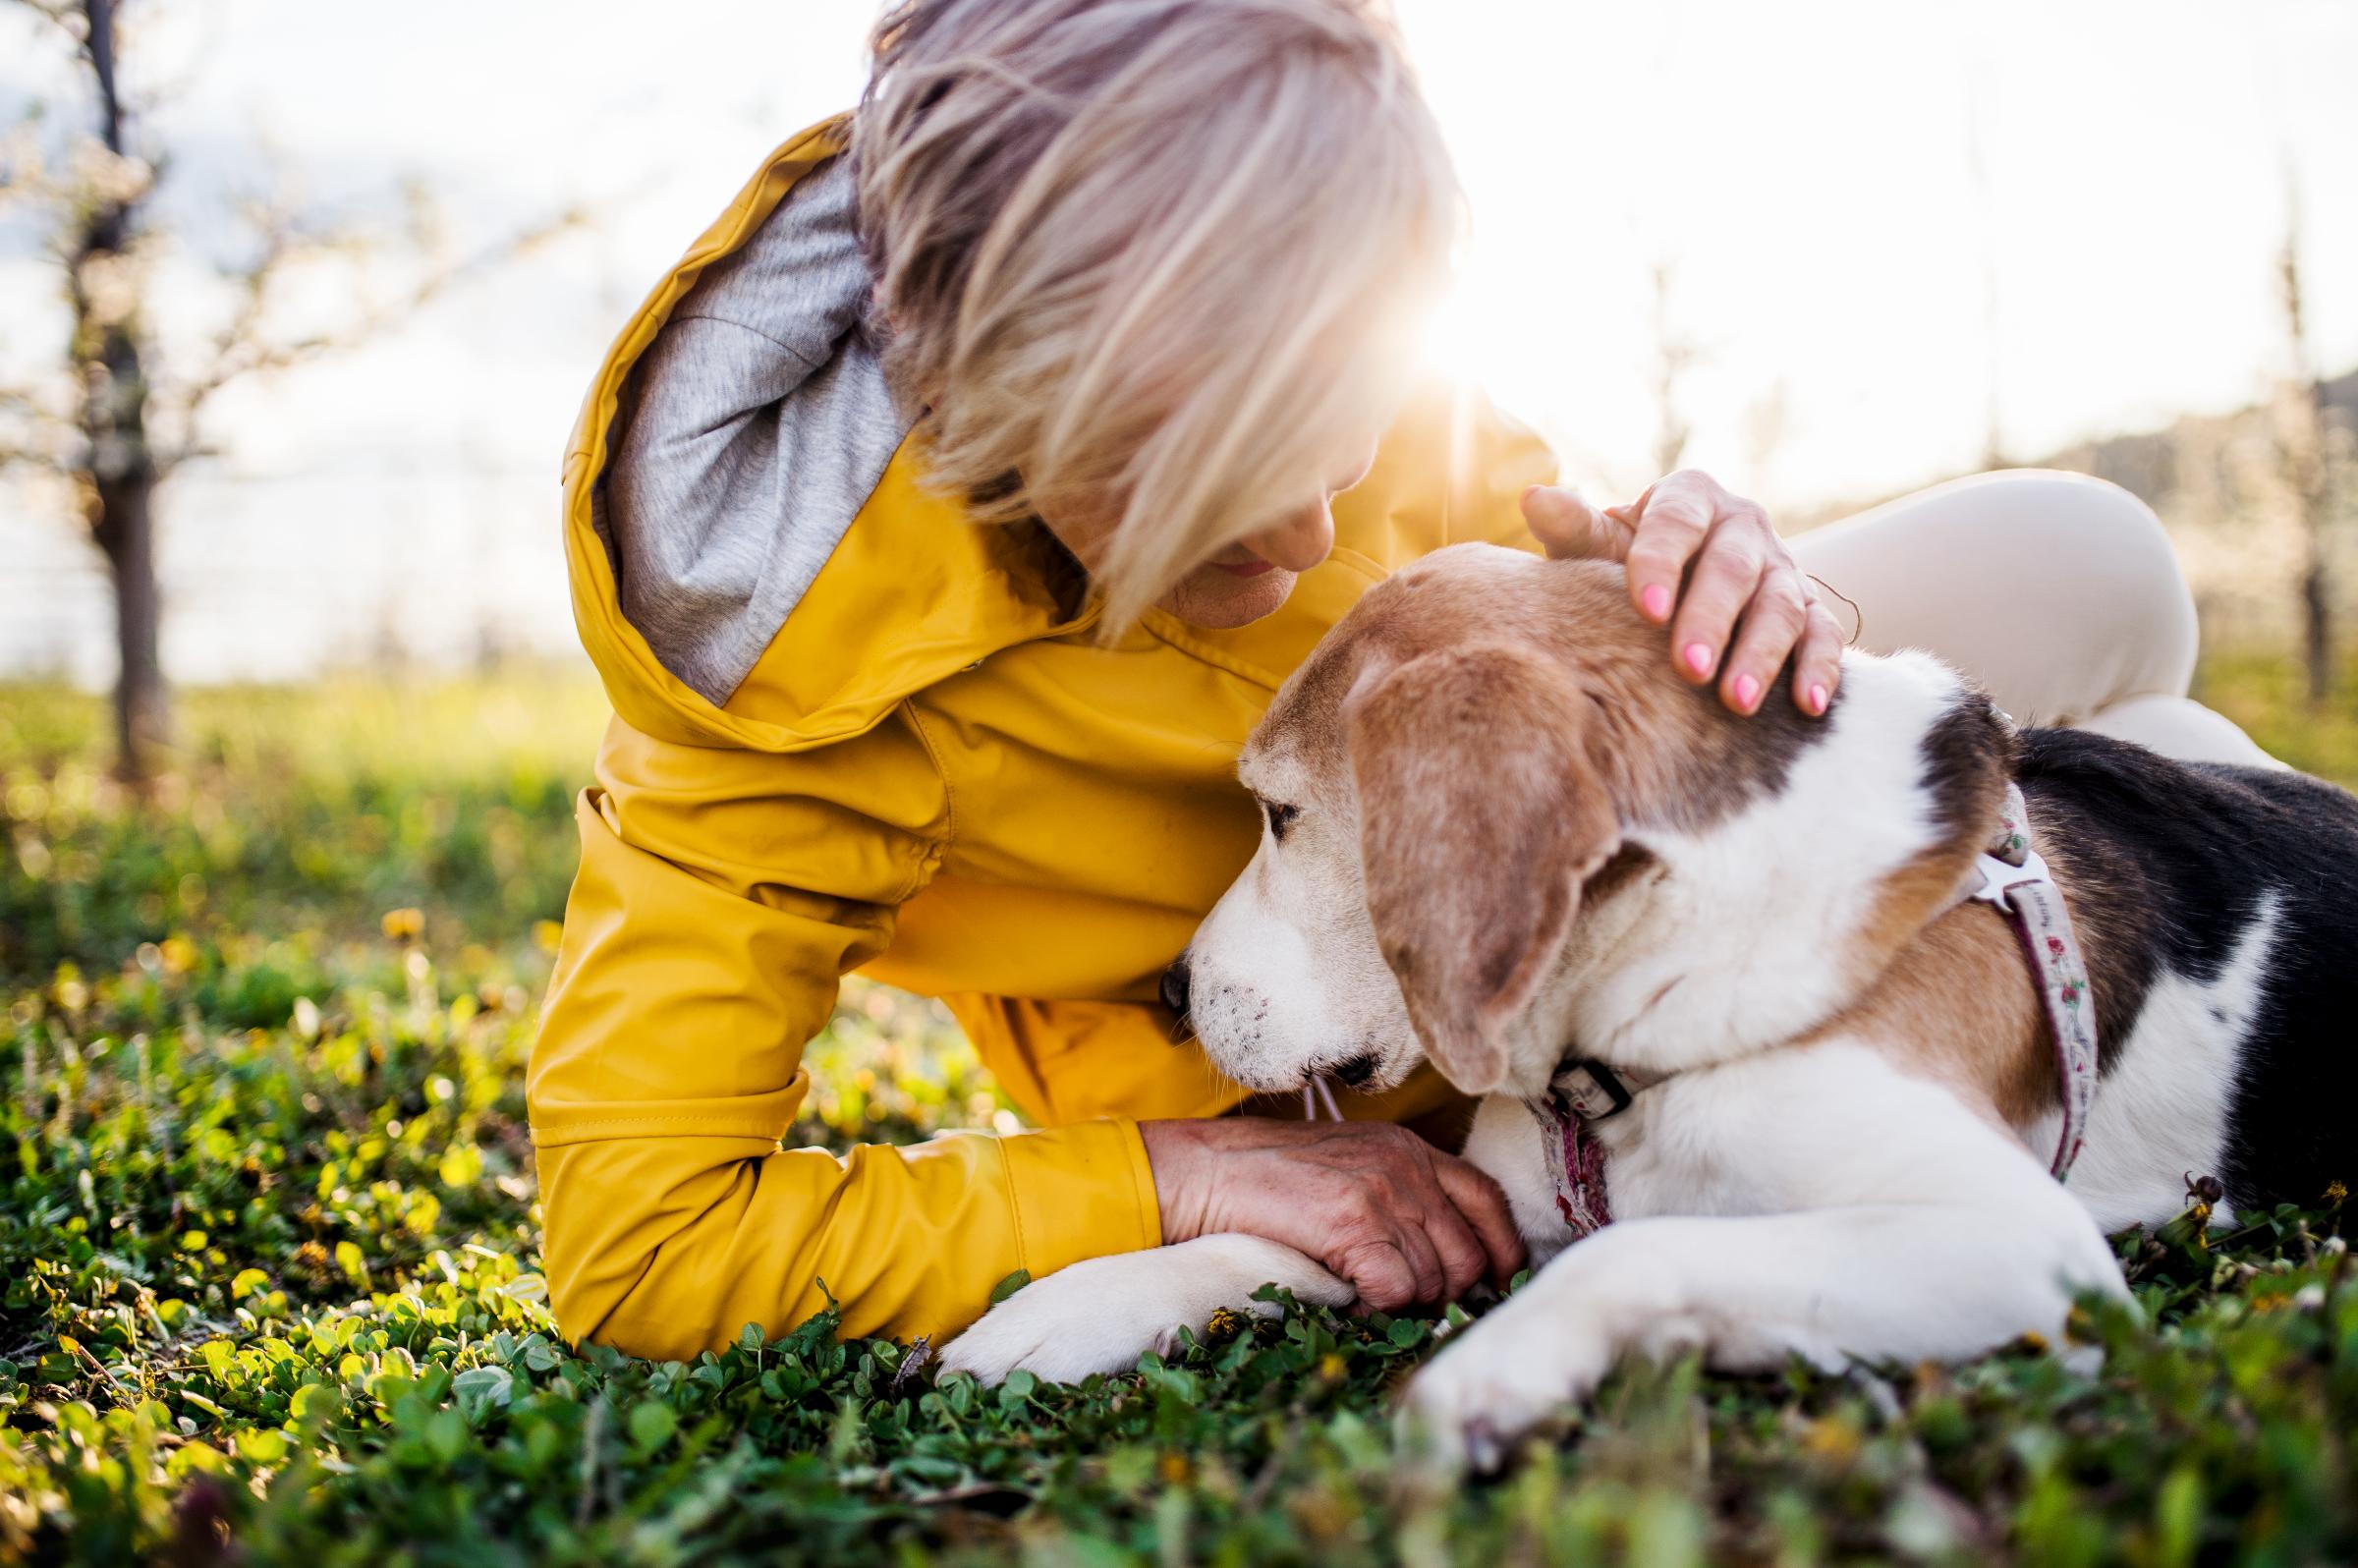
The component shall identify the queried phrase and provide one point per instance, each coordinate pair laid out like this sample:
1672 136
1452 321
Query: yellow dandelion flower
1833 1440
1331 1368
2079 1327
2335 1192
404 925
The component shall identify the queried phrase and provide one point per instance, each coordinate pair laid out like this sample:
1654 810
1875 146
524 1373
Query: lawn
268 1283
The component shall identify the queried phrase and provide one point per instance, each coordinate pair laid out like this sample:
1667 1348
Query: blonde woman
940 527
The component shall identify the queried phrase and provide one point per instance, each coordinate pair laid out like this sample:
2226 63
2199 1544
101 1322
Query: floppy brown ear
1480 818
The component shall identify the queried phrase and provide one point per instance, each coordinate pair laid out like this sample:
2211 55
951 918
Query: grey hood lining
748 436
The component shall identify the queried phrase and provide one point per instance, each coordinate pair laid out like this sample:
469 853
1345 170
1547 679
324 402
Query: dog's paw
1496 1381
1543 1352
1103 1313
1064 1327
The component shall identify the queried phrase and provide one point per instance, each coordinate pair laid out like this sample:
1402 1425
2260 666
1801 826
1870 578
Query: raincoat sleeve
722 893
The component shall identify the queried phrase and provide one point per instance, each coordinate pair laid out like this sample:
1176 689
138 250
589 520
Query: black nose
1174 987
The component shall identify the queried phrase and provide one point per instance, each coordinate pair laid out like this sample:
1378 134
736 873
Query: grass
2268 696
268 1252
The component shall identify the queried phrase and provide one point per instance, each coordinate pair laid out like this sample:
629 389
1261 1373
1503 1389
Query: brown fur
1665 753
1957 1004
1504 717
1468 945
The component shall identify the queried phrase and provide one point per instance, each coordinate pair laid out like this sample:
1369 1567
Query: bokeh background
268 1240
1831 251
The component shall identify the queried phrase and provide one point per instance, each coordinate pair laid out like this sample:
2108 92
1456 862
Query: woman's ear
1479 818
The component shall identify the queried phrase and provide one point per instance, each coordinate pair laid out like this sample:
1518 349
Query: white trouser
2057 593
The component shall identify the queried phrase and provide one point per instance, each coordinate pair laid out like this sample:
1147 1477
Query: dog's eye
1281 817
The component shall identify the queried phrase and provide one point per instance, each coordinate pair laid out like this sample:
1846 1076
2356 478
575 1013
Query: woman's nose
1174 987
1299 541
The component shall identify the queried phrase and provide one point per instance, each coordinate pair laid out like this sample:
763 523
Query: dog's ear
1479 818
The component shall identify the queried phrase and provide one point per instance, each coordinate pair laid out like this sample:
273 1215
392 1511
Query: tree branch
62 13
243 348
101 45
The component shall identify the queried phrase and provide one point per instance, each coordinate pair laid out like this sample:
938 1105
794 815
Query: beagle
1733 972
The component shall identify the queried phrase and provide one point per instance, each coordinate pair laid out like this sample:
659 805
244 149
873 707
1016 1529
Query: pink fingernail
1818 699
1699 657
1748 691
1656 602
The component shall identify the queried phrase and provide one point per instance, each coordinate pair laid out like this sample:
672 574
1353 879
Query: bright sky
1806 171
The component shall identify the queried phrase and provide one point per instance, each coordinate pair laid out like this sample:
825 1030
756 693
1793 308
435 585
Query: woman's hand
1375 1204
1746 606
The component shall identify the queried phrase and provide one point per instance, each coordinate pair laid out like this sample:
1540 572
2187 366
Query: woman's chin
1219 600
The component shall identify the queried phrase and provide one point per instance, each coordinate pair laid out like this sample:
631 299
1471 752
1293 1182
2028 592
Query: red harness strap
1584 1092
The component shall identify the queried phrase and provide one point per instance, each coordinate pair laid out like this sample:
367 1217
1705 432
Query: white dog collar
2016 882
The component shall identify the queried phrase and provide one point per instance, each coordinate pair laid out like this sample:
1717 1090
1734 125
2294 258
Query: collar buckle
1592 1091
2000 876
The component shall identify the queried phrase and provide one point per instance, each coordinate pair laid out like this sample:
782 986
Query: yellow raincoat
938 777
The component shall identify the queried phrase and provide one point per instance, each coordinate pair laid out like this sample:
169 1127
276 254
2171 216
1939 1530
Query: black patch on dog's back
2169 865
1966 752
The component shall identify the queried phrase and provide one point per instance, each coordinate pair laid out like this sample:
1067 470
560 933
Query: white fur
1734 947
1101 1314
1510 1144
1287 978
2161 1113
1771 1200
1769 1227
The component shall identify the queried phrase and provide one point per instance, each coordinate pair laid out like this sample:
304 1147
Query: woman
942 525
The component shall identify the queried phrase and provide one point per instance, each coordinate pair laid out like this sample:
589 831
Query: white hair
1165 255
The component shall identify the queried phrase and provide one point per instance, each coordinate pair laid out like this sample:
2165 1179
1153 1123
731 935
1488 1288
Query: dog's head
1498 827
1432 812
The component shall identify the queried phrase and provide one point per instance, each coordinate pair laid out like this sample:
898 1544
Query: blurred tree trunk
125 531
2317 602
119 415
1674 355
118 481
2302 457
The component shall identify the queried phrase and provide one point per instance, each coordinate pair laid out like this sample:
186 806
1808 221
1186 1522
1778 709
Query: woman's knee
2059 592
2110 552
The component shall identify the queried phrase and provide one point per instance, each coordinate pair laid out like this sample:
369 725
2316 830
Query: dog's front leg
1919 1232
1897 1283
1101 1314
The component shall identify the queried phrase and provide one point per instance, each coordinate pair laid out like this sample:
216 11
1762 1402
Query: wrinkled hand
1375 1203
1746 604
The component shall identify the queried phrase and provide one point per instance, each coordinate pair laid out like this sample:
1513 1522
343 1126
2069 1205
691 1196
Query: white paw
1546 1350
1500 1379
1103 1313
